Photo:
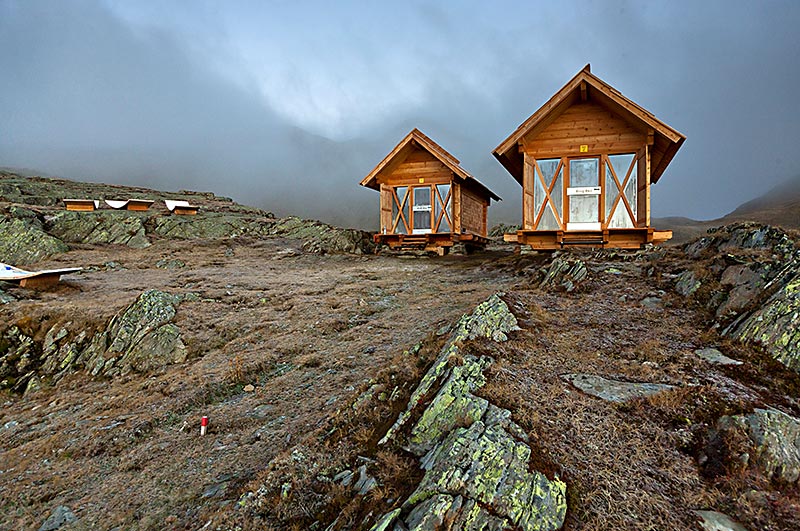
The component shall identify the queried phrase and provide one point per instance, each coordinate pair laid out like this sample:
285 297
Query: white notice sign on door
584 190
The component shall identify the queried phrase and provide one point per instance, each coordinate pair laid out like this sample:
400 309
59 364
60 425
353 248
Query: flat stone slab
613 390
712 355
714 521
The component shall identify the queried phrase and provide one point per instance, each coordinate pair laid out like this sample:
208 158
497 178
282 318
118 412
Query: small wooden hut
586 160
427 199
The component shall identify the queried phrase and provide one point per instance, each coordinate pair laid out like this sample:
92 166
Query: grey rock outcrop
476 460
23 242
18 357
775 325
715 357
775 438
5 298
613 390
142 338
745 235
208 226
61 518
714 521
102 227
321 238
754 284
564 274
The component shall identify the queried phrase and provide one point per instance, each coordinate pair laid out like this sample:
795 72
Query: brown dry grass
126 452
631 465
312 334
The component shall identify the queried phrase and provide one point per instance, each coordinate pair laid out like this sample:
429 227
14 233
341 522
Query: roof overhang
668 139
416 139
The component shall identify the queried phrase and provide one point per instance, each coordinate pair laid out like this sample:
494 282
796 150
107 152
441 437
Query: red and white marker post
203 425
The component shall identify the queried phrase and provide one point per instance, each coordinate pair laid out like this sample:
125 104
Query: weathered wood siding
473 212
419 164
642 188
588 124
386 208
529 174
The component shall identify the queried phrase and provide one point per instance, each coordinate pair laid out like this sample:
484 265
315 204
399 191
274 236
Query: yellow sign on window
421 180
584 148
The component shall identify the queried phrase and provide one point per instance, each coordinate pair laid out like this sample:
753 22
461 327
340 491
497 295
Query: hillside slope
604 373
779 207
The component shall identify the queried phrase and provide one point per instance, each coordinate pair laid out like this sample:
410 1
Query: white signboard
584 190
422 208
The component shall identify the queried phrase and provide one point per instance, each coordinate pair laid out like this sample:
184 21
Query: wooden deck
550 240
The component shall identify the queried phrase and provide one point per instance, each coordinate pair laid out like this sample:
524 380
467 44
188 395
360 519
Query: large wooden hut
427 199
586 160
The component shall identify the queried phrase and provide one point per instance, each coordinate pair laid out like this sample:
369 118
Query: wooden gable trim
418 139
579 89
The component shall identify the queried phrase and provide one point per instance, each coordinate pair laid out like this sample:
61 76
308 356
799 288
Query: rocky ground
655 389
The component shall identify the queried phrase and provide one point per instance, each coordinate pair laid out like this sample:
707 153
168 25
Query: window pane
631 192
548 167
422 209
548 221
422 196
584 172
557 195
620 219
583 208
401 196
538 194
443 190
621 164
611 193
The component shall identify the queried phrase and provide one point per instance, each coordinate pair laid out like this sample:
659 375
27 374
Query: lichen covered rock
476 460
23 242
687 283
775 437
103 227
492 319
18 357
209 225
775 325
485 465
142 338
321 238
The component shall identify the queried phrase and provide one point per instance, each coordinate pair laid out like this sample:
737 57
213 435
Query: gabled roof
667 140
417 138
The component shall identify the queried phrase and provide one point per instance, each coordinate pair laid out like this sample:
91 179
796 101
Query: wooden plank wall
529 174
419 164
386 208
587 124
472 211
456 191
641 187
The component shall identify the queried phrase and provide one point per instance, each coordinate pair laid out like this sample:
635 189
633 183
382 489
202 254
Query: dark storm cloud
91 95
86 96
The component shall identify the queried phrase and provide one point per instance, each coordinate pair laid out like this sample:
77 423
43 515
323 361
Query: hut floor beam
551 240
